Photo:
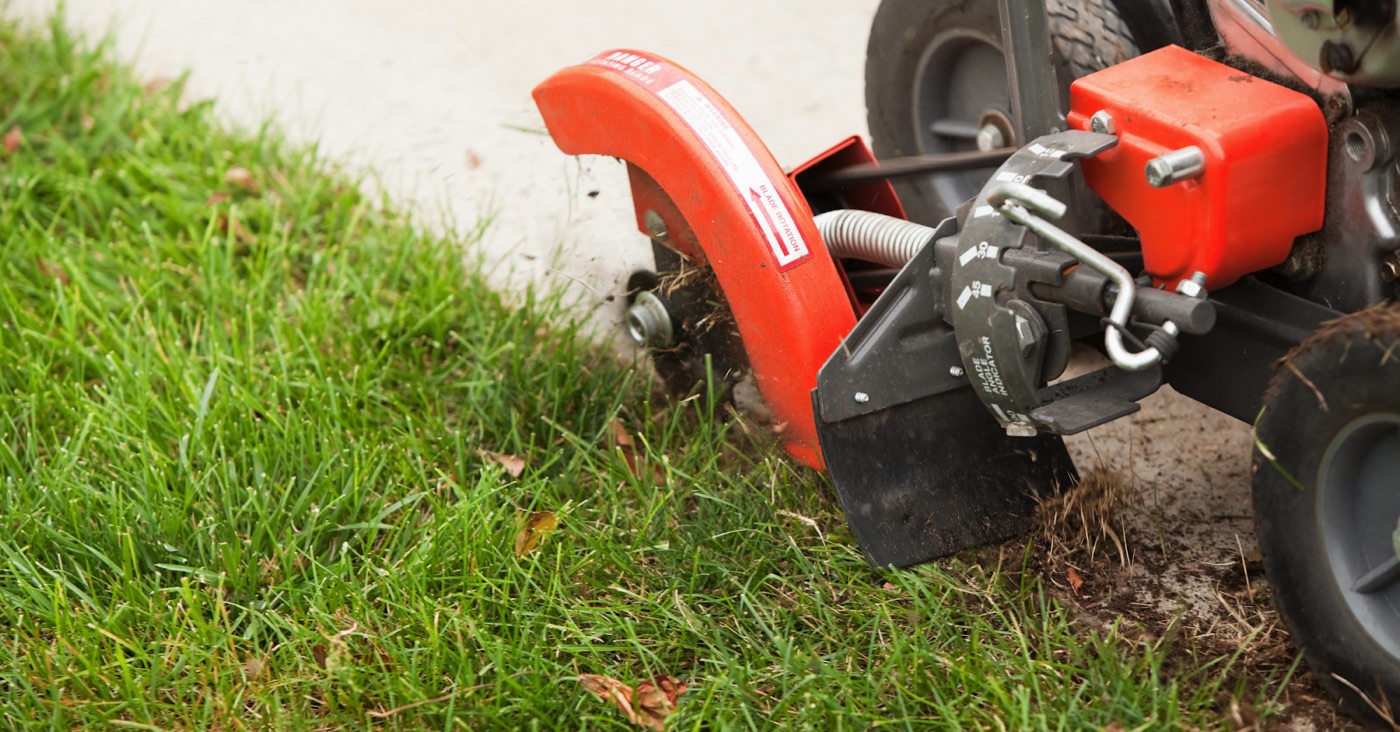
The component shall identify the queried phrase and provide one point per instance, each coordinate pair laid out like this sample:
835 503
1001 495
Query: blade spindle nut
649 323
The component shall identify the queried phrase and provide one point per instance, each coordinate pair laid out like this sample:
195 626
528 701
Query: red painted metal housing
726 202
1265 172
876 195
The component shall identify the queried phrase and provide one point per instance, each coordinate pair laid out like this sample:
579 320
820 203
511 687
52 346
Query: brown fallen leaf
648 705
1075 581
234 229
1242 716
241 177
254 666
621 436
514 466
216 198
656 700
625 444
539 524
610 690
51 270
13 139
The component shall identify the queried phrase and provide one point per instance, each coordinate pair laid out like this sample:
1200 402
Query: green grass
242 435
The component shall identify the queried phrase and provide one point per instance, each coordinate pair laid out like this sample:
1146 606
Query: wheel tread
1087 36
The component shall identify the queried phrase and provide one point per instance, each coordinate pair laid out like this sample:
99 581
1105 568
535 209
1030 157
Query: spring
873 237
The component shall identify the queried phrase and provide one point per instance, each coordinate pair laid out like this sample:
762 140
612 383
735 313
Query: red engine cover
1265 163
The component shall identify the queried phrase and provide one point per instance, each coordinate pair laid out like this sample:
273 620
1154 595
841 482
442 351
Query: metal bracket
901 350
1001 341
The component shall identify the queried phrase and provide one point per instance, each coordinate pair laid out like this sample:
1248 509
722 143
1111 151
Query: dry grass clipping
1087 518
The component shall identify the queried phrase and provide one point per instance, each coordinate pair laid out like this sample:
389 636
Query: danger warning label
724 144
739 163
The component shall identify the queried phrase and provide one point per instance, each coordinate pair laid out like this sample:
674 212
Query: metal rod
911 166
1030 67
1015 201
1034 84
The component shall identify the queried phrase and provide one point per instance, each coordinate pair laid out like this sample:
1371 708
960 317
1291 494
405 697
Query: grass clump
251 437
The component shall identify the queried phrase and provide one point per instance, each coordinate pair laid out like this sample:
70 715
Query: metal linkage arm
1021 203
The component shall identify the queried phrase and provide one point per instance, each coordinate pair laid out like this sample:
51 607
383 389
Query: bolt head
1189 288
956 372
990 138
1021 429
1176 166
1103 123
656 226
1390 268
1159 173
1025 335
862 398
648 323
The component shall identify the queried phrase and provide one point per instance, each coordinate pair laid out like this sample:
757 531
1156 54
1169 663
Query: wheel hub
1359 502
960 104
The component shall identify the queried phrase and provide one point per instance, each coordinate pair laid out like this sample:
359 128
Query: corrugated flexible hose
873 237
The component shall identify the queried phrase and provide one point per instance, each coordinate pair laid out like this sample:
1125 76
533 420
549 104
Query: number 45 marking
972 292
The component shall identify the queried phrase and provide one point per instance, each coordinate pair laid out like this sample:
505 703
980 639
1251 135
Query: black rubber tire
1089 35
1327 498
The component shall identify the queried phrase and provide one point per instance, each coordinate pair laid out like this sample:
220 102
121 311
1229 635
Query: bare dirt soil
1169 552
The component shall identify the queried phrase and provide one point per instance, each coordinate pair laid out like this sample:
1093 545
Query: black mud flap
920 465
931 477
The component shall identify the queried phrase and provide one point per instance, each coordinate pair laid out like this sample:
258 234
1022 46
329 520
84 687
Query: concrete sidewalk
434 95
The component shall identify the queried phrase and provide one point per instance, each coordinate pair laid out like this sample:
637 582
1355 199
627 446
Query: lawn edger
1207 191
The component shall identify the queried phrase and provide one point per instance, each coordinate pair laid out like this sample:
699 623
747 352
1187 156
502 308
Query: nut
1025 335
990 138
656 226
1102 122
1390 268
1195 286
649 323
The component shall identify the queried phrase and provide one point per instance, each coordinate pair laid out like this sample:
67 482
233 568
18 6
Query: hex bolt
990 137
1390 267
1025 335
1176 166
956 372
1193 287
1102 122
648 322
656 226
862 397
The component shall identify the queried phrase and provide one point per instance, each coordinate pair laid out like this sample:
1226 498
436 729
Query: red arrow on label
777 236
